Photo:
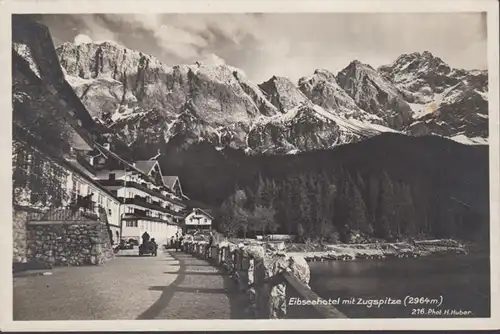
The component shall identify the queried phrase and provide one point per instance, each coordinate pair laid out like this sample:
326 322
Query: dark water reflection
462 281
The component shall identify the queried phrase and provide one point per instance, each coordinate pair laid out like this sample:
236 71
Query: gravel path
169 286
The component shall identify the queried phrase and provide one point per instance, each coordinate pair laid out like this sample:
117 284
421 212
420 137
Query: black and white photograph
252 165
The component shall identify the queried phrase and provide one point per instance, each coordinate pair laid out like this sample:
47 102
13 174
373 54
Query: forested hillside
387 186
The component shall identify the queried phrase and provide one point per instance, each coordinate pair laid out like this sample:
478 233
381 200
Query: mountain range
143 102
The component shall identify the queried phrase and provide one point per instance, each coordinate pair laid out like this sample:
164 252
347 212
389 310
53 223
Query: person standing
145 238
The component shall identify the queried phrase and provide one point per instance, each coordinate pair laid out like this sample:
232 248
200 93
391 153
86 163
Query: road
169 286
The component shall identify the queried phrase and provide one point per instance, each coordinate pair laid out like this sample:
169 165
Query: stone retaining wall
20 236
268 276
68 243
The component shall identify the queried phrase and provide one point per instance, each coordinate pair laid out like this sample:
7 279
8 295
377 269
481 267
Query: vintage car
149 248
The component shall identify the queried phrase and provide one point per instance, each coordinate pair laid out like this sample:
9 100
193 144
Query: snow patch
463 139
484 95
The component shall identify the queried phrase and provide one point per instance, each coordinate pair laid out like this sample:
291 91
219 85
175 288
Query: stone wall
269 276
68 243
20 236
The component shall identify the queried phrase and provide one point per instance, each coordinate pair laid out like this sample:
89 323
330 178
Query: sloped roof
169 181
203 211
145 165
109 153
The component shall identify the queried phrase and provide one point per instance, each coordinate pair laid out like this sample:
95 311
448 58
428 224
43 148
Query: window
131 223
112 176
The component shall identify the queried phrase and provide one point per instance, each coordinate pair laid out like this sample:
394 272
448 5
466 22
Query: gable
200 212
169 181
145 166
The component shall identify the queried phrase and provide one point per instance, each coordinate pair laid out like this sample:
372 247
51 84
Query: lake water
458 282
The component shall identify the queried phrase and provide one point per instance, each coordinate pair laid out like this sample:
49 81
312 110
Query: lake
459 282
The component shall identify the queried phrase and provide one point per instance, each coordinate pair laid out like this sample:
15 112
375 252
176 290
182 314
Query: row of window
149 213
149 199
149 185
148 226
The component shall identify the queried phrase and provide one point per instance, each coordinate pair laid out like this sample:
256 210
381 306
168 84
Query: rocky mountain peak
325 74
375 94
146 102
282 93
416 64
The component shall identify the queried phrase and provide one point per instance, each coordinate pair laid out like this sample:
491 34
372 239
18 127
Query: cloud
82 39
212 59
293 45
96 29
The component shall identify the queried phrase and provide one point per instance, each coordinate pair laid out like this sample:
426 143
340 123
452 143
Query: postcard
246 165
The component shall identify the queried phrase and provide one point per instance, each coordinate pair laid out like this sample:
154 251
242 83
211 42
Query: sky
291 45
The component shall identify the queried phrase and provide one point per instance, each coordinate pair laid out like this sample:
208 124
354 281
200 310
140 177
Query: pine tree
356 207
262 219
385 209
342 206
410 212
305 205
226 219
372 201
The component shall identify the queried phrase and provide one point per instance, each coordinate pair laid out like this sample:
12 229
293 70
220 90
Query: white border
228 6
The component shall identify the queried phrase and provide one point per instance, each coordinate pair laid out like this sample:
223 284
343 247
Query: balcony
67 213
141 214
131 184
141 201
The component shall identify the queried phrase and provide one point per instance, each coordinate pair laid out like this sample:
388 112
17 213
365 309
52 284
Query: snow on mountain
145 102
323 90
445 101
470 141
375 94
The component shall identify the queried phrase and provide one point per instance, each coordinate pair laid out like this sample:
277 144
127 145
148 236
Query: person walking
210 243
181 239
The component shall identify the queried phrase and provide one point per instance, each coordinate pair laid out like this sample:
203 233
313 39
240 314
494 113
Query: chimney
107 146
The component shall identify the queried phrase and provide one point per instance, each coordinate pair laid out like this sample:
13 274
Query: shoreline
345 252
367 251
